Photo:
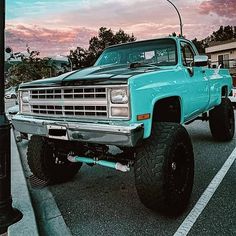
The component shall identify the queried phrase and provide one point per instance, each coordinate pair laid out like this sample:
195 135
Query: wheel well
224 91
167 110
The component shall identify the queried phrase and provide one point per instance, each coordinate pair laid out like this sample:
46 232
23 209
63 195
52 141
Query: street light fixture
8 215
180 20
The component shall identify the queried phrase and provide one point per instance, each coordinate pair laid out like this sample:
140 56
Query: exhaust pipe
109 164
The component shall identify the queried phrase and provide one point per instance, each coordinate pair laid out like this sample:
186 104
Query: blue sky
55 27
28 8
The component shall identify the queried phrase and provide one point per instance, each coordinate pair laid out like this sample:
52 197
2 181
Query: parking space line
189 221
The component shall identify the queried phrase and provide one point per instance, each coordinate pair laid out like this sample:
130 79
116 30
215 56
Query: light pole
8 215
180 20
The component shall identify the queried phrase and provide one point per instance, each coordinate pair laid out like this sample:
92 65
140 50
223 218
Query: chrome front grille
69 93
70 110
69 102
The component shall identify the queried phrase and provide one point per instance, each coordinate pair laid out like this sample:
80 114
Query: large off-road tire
164 169
45 164
222 122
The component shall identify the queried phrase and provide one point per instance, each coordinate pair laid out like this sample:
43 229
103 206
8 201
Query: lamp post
8 215
180 20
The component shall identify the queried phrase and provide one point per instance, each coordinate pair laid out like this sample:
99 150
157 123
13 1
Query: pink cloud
220 7
68 27
47 41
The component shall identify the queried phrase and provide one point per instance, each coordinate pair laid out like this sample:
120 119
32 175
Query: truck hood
95 75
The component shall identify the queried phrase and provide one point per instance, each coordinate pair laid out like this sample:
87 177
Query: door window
187 54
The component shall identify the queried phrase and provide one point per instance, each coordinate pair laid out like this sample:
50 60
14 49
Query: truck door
197 84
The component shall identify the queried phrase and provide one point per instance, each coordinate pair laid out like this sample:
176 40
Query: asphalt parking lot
100 201
104 202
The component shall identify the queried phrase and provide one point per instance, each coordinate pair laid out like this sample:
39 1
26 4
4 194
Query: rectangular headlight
24 102
25 108
119 102
119 96
120 111
25 96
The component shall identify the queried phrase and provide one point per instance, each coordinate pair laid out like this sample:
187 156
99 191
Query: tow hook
87 160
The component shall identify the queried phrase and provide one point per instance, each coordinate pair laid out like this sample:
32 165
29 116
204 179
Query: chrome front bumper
129 135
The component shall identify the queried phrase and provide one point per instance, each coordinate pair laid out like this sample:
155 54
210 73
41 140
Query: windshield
161 52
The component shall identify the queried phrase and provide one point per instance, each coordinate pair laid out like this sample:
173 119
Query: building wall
231 55
227 53
221 47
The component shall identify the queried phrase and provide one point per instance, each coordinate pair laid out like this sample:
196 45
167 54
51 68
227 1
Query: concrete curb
49 218
27 226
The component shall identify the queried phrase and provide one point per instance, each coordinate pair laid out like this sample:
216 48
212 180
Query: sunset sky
54 27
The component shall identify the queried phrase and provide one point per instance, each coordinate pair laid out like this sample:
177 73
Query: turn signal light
143 116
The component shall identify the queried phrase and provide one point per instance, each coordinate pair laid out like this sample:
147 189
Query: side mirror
200 60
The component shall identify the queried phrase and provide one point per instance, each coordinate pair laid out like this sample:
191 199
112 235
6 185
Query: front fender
146 90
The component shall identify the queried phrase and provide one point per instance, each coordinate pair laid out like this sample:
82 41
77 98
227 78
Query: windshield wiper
134 65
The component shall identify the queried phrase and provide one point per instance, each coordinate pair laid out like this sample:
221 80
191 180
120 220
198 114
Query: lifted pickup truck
137 96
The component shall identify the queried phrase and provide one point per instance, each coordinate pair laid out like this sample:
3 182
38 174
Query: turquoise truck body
135 97
197 94
189 90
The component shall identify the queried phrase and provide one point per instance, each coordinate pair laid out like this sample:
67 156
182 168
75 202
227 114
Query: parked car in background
11 92
10 113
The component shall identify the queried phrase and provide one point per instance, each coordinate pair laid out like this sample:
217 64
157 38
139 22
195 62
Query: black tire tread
38 151
150 166
219 121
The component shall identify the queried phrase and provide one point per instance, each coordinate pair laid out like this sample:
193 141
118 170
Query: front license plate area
57 132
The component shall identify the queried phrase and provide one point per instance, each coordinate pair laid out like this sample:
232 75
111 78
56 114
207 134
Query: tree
82 58
31 67
199 45
122 37
222 34
106 38
78 58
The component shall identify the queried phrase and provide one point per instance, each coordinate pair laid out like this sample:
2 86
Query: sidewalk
49 218
27 226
